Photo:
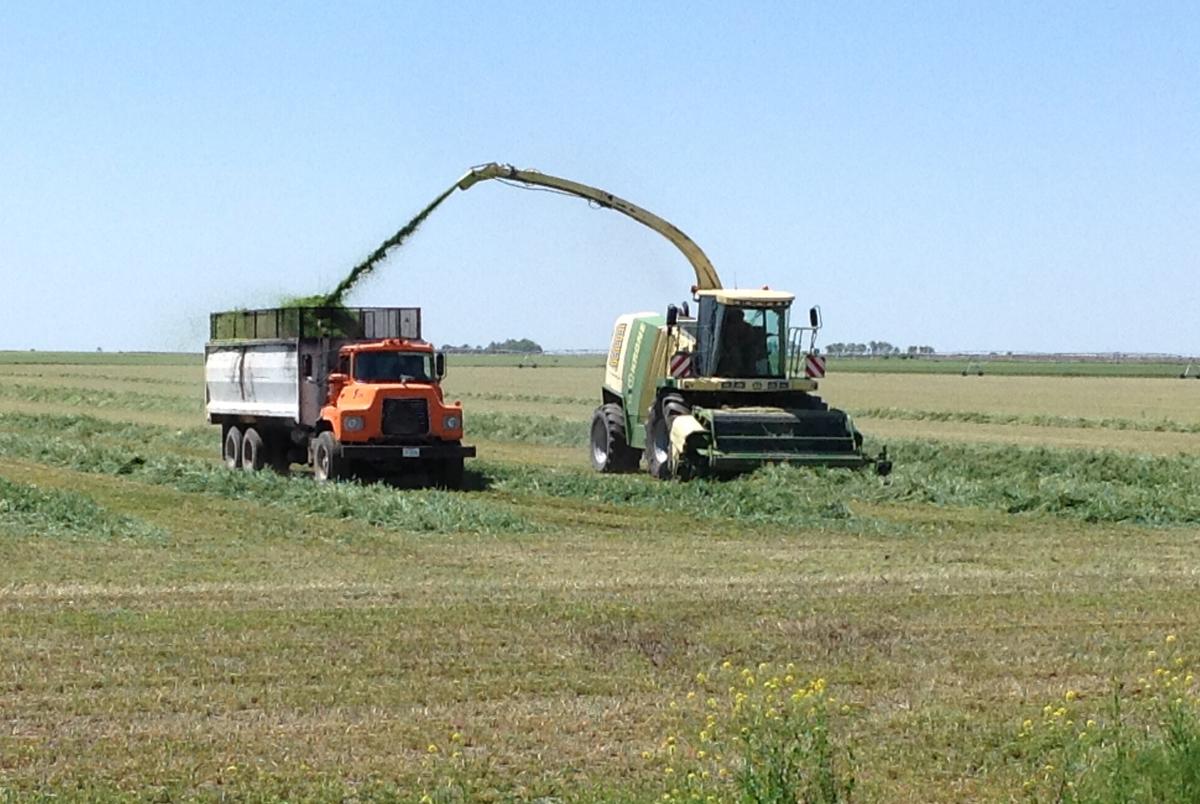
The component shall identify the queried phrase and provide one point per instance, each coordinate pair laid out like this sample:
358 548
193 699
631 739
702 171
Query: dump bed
273 363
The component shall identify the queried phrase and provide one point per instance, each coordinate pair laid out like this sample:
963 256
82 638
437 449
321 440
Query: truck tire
253 451
610 448
658 435
231 449
328 465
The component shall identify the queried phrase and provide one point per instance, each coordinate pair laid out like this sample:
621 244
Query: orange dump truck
349 391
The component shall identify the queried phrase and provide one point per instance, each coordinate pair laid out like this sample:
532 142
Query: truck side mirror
814 317
439 364
672 315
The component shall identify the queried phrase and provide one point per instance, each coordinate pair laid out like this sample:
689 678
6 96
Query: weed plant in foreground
761 734
1140 742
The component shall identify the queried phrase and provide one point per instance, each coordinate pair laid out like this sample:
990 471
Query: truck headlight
451 423
354 423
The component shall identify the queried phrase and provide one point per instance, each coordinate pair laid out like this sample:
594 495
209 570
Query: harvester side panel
642 343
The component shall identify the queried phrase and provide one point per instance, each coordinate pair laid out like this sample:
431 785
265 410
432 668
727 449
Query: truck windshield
392 366
750 341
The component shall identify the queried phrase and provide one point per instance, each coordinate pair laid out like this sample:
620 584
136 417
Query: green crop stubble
80 449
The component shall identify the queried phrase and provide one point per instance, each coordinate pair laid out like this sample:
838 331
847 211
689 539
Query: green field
172 630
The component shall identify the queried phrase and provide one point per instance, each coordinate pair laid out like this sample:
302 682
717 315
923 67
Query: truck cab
389 392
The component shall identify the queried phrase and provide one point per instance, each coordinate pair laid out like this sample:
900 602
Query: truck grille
405 417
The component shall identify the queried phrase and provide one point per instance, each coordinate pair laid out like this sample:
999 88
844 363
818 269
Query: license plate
412 452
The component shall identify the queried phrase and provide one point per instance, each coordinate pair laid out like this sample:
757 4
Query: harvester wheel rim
599 441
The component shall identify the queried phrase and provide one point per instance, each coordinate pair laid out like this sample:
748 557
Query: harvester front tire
611 452
658 446
253 451
328 465
658 435
231 448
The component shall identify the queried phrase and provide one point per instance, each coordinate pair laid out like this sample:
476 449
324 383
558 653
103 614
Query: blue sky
965 175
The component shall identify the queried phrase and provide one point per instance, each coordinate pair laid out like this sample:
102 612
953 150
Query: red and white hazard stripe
814 366
681 364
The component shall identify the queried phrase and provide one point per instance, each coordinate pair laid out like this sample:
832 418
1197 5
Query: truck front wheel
328 464
231 450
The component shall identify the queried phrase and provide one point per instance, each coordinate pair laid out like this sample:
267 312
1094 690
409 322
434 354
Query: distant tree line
520 345
875 349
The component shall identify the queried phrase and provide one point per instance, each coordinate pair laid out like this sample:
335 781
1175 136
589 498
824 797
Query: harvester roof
750 298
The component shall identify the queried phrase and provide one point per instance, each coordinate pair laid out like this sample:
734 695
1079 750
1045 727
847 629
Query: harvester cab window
749 341
392 366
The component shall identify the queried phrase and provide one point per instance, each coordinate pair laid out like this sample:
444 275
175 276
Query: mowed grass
169 630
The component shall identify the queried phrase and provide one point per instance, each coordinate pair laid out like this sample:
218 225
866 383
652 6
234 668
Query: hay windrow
26 510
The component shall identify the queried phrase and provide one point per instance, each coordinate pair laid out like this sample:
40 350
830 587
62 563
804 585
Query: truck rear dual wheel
253 450
231 447
261 449
610 448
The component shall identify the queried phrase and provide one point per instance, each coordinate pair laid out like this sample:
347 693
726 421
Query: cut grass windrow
543 399
1079 484
97 398
414 511
529 429
1094 486
26 510
1027 420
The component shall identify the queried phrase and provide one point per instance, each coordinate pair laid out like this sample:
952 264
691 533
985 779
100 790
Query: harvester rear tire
253 451
231 448
610 448
328 465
